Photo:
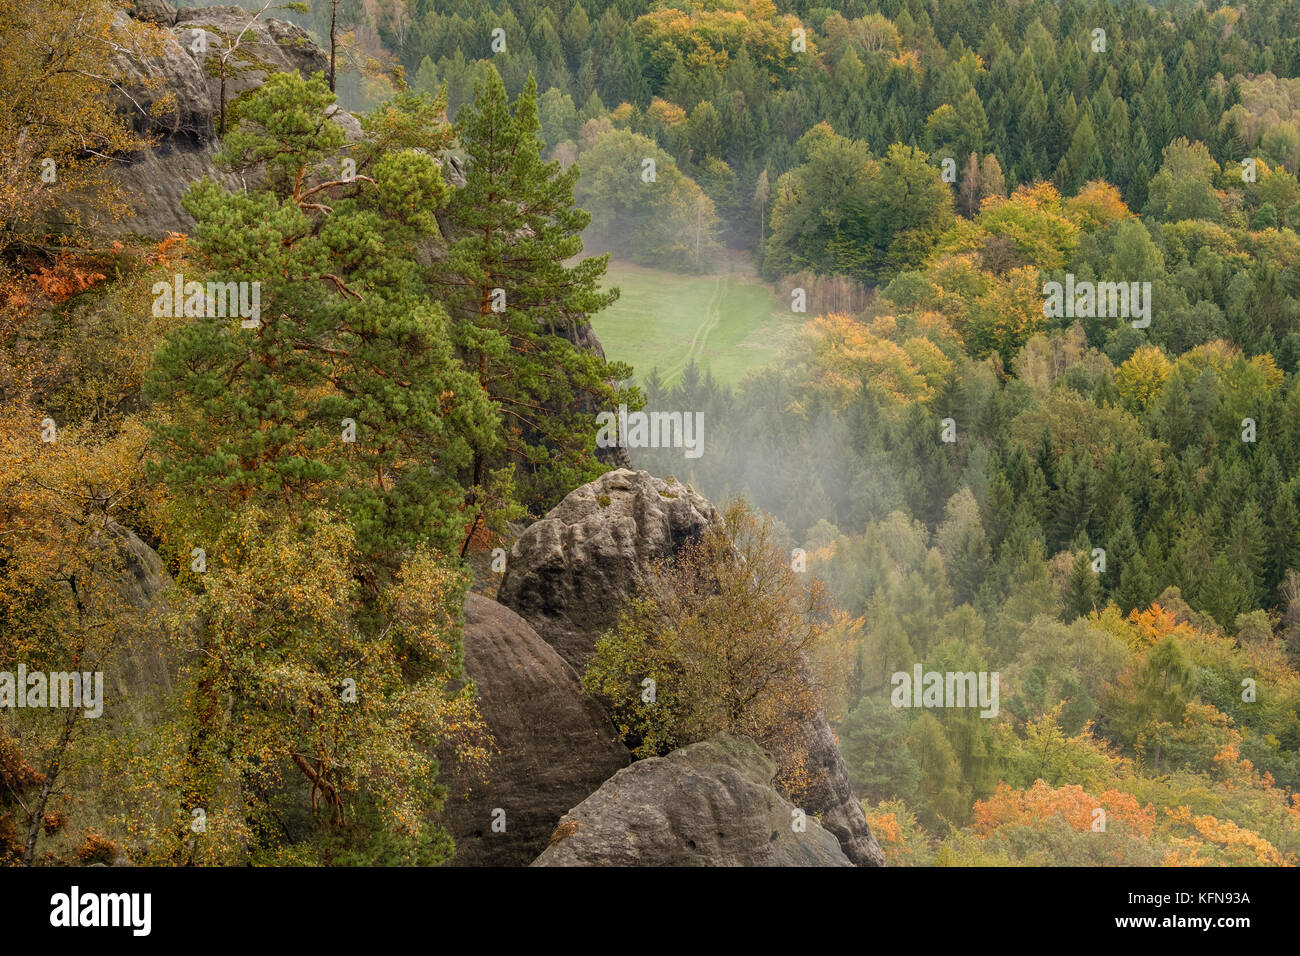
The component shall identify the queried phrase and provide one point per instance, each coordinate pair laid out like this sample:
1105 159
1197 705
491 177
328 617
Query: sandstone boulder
157 11
831 796
555 744
708 804
143 577
570 573
267 46
174 95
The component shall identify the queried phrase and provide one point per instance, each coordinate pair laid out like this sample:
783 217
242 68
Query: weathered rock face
584 337
185 129
831 795
144 661
144 578
570 573
268 46
709 804
158 11
556 746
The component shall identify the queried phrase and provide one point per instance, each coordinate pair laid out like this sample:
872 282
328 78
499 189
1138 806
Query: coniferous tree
518 305
1083 593
347 330
310 455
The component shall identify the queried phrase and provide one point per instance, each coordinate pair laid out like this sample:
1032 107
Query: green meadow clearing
729 323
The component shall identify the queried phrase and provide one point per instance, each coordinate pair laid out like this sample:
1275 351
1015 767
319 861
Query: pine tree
347 330
314 457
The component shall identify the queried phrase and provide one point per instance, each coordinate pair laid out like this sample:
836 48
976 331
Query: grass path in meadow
730 323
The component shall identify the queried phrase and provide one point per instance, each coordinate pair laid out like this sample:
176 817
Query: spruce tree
518 302
1082 589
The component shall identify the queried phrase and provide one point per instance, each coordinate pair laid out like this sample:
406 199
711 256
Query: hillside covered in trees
1041 424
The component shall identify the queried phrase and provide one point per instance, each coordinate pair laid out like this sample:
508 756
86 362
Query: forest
1096 505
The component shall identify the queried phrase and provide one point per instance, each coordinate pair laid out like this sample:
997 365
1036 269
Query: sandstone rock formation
156 11
567 576
708 804
556 746
831 796
268 46
570 573
143 577
147 654
175 97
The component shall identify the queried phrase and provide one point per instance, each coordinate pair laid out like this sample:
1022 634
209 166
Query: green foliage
667 222
716 642
514 297
1162 688
873 742
843 211
348 331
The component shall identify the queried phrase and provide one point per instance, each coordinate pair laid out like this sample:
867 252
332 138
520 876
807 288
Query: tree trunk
334 15
51 777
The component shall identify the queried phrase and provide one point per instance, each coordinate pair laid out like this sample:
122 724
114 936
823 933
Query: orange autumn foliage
1095 205
1228 842
173 247
900 835
65 278
1146 628
1042 803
